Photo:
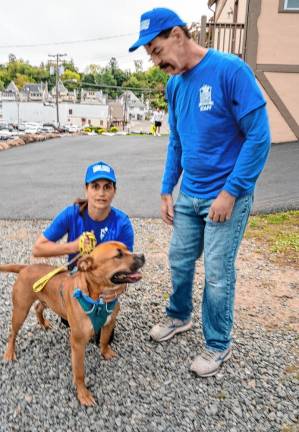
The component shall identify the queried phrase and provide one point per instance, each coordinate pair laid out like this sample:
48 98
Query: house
69 113
134 108
116 114
93 97
63 94
265 33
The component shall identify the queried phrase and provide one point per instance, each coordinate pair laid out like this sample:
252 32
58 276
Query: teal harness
97 311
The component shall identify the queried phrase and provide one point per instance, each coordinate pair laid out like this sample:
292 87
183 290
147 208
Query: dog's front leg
78 346
106 332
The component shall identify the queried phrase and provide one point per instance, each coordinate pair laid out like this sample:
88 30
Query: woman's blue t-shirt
117 226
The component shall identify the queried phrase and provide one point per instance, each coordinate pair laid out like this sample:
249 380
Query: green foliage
113 129
72 78
100 131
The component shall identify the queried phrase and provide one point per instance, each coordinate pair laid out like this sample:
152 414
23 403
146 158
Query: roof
211 2
12 87
33 88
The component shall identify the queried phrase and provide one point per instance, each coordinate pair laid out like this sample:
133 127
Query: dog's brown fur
94 279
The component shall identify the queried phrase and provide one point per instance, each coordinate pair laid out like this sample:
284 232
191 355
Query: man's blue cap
99 170
154 22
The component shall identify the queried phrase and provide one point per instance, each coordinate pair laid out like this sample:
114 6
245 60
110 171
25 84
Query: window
70 111
291 6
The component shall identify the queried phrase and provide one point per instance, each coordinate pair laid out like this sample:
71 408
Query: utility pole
58 57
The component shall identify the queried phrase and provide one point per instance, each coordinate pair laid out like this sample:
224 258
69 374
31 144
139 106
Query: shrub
113 129
100 130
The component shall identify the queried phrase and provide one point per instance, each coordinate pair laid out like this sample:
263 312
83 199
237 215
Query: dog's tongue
134 277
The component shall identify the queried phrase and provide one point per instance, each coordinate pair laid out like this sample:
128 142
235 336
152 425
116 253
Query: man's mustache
164 65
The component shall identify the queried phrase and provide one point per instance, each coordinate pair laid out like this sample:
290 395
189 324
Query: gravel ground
148 387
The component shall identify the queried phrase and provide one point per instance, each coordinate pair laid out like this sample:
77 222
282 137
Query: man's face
100 194
167 54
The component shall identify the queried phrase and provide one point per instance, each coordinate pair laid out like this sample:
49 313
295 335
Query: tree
20 80
73 79
105 77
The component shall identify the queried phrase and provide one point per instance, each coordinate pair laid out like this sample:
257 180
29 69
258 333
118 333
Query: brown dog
102 274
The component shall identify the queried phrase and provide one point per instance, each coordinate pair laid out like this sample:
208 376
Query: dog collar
97 310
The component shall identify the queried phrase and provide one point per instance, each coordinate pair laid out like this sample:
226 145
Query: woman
94 214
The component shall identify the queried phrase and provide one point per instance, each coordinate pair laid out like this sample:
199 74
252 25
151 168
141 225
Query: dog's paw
85 397
108 353
9 356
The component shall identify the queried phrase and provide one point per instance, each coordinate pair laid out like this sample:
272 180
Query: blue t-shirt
206 107
117 226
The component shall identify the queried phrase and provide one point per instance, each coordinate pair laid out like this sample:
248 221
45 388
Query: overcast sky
33 22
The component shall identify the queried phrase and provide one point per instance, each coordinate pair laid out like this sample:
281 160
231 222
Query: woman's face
100 194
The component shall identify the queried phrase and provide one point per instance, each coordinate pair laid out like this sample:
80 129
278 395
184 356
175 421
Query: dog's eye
120 253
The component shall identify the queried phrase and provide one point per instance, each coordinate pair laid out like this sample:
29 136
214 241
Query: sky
62 26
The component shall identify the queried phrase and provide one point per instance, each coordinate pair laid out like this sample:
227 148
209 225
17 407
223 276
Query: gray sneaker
208 363
163 332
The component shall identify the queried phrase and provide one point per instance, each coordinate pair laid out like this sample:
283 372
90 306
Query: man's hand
167 211
222 207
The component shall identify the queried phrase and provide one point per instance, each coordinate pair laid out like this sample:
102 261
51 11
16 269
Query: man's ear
86 264
177 33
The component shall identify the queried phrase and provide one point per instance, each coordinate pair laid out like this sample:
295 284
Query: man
157 120
219 142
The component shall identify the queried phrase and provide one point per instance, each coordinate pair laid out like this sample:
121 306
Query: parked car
5 134
71 128
47 129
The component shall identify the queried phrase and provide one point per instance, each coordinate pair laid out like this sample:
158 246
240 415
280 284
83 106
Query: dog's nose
141 258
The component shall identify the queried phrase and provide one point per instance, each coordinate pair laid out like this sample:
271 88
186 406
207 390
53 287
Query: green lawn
276 234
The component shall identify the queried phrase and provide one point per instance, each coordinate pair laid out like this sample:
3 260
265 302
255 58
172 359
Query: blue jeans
193 234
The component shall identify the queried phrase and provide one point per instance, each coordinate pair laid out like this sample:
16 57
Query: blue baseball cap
154 22
99 170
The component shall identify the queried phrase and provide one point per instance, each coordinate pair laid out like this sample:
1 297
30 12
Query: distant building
115 114
69 113
134 108
93 97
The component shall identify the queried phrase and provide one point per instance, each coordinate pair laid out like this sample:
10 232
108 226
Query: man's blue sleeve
58 227
126 235
253 154
173 167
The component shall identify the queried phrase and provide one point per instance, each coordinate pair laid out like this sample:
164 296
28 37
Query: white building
69 113
134 108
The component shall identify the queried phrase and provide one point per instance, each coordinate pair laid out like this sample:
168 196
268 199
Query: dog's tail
12 268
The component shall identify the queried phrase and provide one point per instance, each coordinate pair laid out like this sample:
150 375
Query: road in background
37 180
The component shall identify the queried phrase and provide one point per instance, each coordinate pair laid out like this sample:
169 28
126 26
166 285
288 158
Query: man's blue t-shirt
117 226
206 107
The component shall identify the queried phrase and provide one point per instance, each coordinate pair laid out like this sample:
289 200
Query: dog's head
111 263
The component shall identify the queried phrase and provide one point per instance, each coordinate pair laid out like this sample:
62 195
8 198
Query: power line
71 42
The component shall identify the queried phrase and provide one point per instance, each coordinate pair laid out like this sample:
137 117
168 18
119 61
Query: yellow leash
87 243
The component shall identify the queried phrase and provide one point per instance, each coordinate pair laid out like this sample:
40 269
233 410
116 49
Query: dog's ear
85 264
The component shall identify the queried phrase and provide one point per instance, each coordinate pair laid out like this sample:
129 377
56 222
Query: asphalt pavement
37 180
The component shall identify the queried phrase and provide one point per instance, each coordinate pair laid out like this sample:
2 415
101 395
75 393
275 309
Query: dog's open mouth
124 277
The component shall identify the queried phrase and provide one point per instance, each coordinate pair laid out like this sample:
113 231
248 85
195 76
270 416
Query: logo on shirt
205 98
97 168
103 232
